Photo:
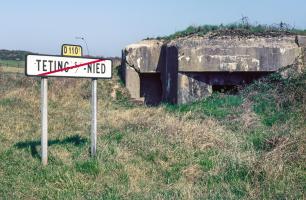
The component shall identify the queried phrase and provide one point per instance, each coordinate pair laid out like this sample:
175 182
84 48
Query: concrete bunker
194 86
190 68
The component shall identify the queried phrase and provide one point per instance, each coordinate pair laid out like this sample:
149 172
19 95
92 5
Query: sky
42 26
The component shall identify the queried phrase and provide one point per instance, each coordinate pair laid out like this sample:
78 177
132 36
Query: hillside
13 54
12 58
249 145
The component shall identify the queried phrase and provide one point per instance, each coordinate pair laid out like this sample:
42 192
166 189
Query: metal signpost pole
45 66
94 117
44 120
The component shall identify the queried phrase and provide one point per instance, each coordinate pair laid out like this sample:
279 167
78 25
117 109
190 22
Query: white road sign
57 66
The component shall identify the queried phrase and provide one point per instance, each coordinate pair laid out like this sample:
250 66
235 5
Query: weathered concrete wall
194 86
301 41
188 67
132 82
145 56
200 54
191 88
169 74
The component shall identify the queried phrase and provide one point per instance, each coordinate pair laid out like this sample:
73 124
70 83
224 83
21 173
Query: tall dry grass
148 152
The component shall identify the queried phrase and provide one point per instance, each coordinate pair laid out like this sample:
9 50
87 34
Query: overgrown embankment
238 29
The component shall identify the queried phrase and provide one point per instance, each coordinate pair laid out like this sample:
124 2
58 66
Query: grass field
17 70
245 146
12 63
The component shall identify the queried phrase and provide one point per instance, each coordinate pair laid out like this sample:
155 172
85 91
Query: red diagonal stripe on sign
72 67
